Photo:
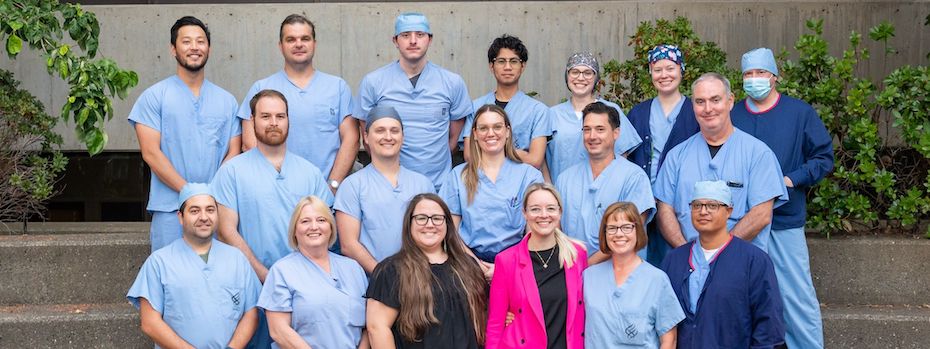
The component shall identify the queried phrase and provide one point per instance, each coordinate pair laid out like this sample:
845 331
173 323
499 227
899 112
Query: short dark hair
296 19
509 42
184 205
613 116
186 21
266 93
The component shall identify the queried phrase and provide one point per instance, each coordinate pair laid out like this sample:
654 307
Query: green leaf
15 25
63 49
14 45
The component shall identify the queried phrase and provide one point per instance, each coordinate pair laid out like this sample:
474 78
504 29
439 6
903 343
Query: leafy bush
630 82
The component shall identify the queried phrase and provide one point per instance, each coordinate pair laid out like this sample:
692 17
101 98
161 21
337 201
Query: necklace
545 263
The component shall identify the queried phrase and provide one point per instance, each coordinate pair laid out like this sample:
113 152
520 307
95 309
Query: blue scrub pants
657 247
764 242
262 338
165 229
788 251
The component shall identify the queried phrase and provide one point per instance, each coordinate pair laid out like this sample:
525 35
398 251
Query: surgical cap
669 52
382 112
712 190
190 190
411 22
760 58
586 59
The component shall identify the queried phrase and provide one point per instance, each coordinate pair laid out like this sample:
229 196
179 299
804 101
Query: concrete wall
354 38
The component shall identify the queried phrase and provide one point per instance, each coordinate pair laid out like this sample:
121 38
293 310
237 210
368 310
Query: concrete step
900 327
69 268
871 270
18 228
71 326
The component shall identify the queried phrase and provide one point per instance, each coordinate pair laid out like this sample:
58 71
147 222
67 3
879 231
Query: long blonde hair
567 252
470 173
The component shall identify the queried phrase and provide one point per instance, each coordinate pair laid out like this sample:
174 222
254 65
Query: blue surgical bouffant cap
712 190
192 189
760 58
669 52
411 22
382 112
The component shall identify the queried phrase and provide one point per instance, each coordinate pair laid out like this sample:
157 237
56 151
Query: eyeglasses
497 128
421 219
575 73
503 61
626 229
538 211
710 206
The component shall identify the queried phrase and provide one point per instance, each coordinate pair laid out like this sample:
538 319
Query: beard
272 136
192 67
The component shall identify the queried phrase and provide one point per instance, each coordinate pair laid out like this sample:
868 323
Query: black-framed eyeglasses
503 61
626 229
710 206
421 219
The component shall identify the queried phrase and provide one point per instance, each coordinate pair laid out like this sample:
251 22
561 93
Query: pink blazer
513 289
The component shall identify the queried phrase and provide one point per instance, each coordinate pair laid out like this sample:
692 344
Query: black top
553 295
714 149
455 329
500 103
414 79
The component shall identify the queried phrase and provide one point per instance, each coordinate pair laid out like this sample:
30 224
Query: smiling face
313 231
270 121
412 45
297 44
712 105
599 136
542 213
621 234
198 219
491 132
385 137
581 80
191 49
429 236
666 76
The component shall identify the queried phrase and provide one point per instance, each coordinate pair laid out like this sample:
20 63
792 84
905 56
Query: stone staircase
63 285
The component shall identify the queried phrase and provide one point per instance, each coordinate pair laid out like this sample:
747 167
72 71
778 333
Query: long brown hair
470 173
415 289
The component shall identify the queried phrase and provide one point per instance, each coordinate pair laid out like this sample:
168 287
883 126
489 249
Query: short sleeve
461 106
532 176
147 110
275 294
449 192
629 138
668 310
223 187
322 191
348 199
346 103
367 98
383 285
542 123
766 180
666 184
245 110
641 193
148 285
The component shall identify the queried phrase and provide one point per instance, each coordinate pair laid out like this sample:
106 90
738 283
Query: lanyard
712 258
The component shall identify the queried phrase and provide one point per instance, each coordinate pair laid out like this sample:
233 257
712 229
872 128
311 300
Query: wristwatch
334 184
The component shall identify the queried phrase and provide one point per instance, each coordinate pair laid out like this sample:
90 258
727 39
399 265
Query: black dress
455 329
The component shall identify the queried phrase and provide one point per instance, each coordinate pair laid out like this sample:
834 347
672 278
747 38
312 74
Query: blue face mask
757 88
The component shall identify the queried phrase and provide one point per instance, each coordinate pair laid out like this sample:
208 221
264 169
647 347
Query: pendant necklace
545 263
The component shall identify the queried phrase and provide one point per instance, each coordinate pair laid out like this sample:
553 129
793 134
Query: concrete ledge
16 228
66 269
71 326
876 327
870 270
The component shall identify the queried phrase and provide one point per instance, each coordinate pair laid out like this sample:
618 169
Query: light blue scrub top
426 110
195 132
265 198
201 302
327 309
747 165
660 126
566 148
529 118
632 315
586 198
494 220
370 198
314 114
